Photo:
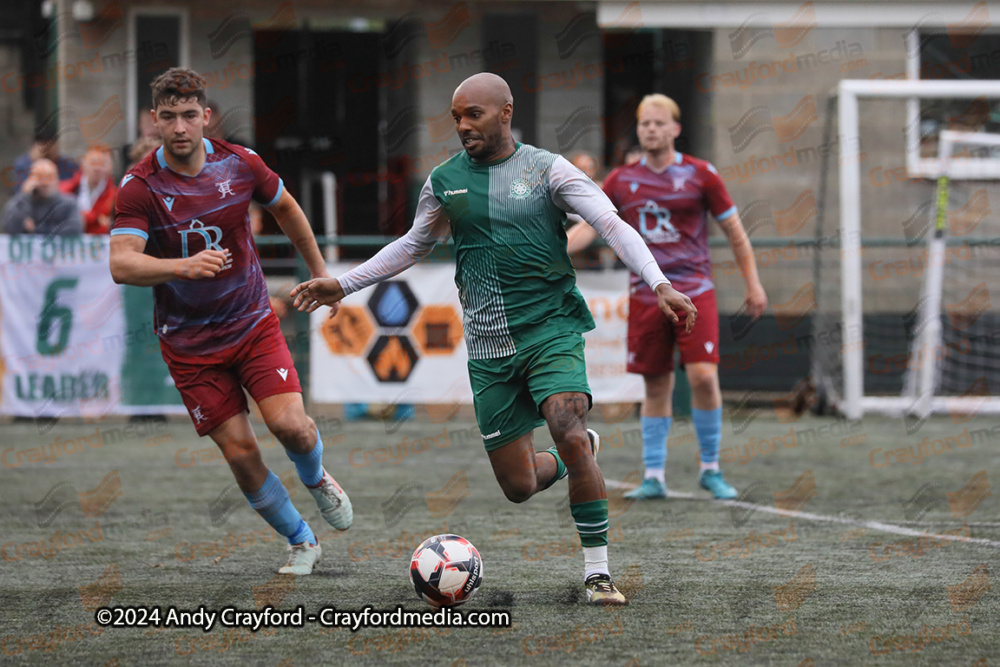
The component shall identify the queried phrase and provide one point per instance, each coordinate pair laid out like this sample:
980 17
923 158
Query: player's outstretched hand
670 300
755 301
206 264
317 292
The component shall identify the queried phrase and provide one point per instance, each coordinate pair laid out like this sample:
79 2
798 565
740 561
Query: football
446 570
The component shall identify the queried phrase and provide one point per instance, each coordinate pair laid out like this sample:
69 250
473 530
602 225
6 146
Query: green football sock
591 520
560 468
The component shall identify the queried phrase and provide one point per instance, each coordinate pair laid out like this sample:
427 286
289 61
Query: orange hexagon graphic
438 329
392 358
349 331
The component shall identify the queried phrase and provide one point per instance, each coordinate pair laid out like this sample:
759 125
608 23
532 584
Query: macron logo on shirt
169 201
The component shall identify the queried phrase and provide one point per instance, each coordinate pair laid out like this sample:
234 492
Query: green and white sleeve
430 226
573 192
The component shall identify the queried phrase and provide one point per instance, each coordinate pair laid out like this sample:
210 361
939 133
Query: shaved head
482 107
485 88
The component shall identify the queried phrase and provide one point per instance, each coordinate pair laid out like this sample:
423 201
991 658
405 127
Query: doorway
310 122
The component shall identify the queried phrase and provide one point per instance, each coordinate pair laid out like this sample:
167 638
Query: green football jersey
515 281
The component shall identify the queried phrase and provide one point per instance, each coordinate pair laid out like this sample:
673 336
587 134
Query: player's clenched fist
317 292
206 264
671 300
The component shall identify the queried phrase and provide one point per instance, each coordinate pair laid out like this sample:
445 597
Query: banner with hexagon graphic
401 341
396 342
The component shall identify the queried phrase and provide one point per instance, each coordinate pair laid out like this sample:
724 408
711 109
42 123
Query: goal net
904 321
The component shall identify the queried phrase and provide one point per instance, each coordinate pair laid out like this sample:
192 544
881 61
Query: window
157 41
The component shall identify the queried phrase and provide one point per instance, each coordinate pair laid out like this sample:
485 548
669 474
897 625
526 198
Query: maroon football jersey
179 216
670 210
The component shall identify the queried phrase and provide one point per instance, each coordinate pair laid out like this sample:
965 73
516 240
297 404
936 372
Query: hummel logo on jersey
492 435
633 186
463 191
709 346
225 188
283 372
169 201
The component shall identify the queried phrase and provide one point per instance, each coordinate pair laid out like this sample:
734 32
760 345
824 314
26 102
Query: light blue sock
355 411
272 502
708 427
654 444
310 466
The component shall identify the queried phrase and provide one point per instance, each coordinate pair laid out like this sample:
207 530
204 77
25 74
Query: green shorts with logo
508 392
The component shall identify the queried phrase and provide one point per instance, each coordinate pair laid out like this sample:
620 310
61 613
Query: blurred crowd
54 194
58 195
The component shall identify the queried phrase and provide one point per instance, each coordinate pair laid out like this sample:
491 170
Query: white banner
401 341
606 293
58 306
63 336
397 342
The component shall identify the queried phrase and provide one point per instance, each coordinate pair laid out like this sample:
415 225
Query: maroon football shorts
211 385
652 337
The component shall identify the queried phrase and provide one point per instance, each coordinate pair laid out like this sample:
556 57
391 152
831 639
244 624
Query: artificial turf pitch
149 515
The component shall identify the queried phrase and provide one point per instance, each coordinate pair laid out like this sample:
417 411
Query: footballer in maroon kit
181 225
667 197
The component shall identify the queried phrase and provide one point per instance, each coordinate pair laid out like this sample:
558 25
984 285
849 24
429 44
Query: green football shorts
508 393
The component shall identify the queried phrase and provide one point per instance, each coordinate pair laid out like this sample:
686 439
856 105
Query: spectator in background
140 149
145 135
633 155
93 189
39 207
214 129
589 258
586 163
45 146
217 126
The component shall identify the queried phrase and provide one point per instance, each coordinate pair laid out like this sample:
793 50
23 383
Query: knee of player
574 449
658 386
296 436
702 379
241 453
517 491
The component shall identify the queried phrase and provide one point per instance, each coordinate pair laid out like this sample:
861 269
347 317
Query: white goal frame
855 402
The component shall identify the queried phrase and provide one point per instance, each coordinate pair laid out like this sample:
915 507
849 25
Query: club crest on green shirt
519 189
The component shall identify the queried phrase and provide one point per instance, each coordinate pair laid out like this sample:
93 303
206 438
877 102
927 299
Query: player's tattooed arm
755 298
131 266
